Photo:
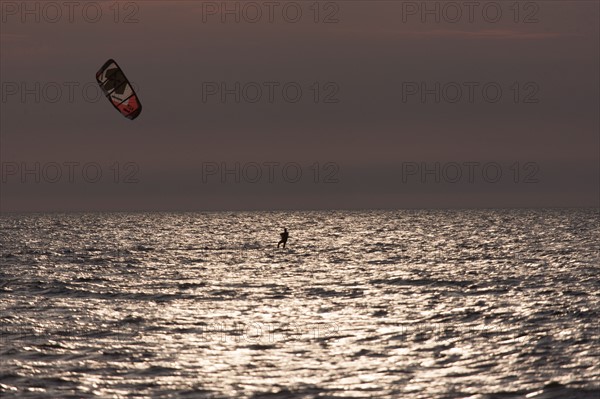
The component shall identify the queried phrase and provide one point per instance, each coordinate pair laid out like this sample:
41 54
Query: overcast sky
375 103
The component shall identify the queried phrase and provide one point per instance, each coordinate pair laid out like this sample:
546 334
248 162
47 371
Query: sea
432 304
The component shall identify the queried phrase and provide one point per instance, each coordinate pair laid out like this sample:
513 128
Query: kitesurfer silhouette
284 237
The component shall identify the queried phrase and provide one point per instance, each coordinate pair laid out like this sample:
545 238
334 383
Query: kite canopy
118 90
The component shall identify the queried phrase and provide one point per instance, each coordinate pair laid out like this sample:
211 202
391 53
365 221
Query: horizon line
13 212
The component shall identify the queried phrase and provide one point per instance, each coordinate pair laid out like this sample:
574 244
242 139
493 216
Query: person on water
284 237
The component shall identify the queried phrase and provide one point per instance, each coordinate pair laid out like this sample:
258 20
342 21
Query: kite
118 90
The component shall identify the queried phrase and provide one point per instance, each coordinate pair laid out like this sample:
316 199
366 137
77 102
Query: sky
301 105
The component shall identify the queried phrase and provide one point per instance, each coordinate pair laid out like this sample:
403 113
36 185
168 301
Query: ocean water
382 304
